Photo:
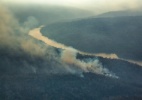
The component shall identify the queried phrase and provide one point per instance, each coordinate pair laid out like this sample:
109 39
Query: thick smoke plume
14 37
17 48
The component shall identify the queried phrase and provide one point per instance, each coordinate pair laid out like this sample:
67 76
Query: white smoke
15 35
69 54
91 65
14 39
110 56
30 23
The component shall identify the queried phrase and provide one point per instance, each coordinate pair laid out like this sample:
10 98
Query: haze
97 6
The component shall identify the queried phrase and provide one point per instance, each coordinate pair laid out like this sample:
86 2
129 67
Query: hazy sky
93 5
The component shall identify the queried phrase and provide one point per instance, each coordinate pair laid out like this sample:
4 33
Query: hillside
120 35
121 13
19 80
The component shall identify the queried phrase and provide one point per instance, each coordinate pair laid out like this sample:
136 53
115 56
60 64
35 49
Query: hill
120 35
121 13
20 81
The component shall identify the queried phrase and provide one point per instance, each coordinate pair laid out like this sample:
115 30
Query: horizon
95 6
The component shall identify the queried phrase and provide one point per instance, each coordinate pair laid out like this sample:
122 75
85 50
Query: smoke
110 56
7 27
89 65
25 54
17 48
30 23
68 56
14 37
133 61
